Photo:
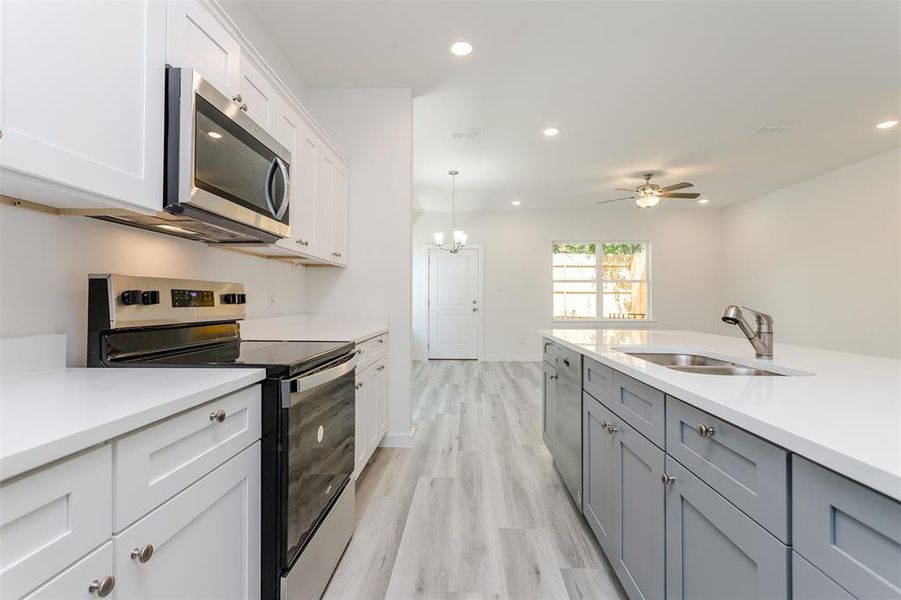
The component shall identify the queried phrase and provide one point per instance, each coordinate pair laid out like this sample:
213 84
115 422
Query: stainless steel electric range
308 410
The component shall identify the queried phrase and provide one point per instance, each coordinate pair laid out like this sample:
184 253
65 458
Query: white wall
823 257
685 286
374 128
45 261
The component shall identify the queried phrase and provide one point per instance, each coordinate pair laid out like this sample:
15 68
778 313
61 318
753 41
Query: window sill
602 321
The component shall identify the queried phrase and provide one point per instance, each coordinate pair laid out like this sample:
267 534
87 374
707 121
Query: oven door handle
303 383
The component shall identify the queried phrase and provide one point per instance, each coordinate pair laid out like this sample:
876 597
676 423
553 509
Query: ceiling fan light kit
649 194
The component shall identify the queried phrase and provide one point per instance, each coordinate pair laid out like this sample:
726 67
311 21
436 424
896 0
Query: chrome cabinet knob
142 555
666 479
238 98
358 386
218 416
605 425
611 429
381 341
704 430
243 107
102 587
303 242
474 309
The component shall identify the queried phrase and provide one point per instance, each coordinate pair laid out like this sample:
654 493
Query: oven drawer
52 517
371 350
155 463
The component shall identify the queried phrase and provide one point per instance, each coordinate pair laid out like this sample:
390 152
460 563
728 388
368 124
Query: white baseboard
512 358
398 440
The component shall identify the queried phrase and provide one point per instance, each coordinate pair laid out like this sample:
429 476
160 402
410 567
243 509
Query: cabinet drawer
51 518
205 541
809 583
159 461
750 472
549 351
848 531
597 380
640 405
371 350
74 582
713 550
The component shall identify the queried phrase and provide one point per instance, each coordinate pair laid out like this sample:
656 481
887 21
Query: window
601 280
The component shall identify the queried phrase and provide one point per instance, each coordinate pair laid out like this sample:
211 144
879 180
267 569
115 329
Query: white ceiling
677 87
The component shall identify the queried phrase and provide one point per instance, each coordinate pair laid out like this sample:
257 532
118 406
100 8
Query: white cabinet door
195 39
258 95
89 578
372 398
206 540
381 405
360 423
81 101
341 197
325 205
293 133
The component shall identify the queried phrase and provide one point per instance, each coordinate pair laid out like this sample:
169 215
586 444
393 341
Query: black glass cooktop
278 358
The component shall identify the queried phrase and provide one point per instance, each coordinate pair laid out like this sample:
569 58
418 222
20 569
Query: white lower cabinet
371 418
203 543
91 577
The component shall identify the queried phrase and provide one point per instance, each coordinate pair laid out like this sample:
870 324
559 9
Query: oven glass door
229 162
320 451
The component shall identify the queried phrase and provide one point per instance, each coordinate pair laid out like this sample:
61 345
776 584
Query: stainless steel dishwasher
562 414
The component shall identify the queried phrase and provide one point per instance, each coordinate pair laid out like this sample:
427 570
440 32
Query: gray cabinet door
638 508
809 583
598 482
640 405
568 440
713 550
749 471
597 380
848 531
549 407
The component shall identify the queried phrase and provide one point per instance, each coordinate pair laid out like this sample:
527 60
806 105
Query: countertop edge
38 456
864 473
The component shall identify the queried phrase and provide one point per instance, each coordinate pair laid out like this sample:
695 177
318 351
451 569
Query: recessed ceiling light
214 134
886 124
703 201
516 203
461 48
551 131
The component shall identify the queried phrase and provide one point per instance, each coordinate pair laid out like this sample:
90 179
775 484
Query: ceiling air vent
464 134
774 128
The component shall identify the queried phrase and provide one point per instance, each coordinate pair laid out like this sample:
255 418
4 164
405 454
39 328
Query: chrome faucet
762 337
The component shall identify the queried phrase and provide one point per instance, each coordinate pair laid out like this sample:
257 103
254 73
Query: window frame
599 282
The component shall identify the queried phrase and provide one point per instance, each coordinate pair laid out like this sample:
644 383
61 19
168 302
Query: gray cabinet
713 550
640 405
598 482
638 511
597 380
749 471
809 583
562 414
548 407
850 532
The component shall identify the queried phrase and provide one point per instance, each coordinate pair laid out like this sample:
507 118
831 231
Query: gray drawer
640 405
749 471
848 531
809 583
549 351
597 380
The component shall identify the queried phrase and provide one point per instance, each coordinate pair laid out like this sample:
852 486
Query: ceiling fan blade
666 195
624 189
615 200
677 186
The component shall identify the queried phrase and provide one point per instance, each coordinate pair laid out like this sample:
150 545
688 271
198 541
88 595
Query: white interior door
454 304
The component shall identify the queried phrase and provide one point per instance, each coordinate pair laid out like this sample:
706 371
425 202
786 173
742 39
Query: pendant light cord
453 203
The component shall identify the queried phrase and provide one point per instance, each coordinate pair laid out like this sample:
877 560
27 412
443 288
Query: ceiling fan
649 194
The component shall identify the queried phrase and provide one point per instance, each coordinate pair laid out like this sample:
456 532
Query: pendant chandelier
459 235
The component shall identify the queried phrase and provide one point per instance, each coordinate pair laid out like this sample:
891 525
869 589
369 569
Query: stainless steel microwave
221 167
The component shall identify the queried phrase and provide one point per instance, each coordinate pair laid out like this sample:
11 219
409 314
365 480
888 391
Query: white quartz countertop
845 414
47 415
319 327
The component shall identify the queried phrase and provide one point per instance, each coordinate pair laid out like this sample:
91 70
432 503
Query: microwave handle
270 174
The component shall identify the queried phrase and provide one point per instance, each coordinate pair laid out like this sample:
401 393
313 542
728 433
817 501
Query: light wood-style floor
475 509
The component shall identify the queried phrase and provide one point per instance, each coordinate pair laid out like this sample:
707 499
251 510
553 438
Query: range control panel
136 301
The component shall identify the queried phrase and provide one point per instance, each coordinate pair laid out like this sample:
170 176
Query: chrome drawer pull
142 555
102 587
667 479
218 416
704 430
611 429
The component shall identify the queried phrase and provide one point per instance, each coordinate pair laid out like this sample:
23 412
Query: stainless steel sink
702 365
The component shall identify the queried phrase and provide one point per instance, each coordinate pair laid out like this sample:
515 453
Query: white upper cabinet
197 40
325 205
340 199
296 136
81 102
257 97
